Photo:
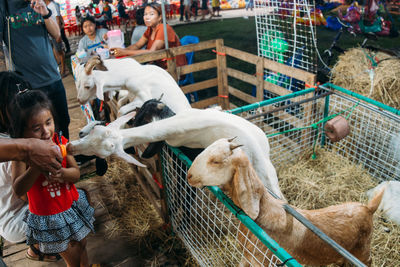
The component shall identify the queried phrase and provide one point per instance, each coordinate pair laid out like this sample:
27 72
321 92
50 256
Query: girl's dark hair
10 84
139 16
89 18
27 104
154 5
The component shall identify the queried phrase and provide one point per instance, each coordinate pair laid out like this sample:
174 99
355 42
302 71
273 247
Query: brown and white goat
349 224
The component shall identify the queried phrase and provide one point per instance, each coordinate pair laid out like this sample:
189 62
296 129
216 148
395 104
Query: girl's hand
39 6
56 176
105 37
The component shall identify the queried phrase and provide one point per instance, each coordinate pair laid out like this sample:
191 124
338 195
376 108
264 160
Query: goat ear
128 158
121 121
99 92
100 66
247 189
88 128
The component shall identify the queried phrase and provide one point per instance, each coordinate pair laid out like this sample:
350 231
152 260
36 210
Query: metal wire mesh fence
286 34
207 221
209 229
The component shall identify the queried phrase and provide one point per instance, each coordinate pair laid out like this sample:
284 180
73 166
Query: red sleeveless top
51 197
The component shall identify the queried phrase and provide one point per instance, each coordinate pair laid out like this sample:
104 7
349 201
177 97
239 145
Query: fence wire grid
206 226
211 232
286 33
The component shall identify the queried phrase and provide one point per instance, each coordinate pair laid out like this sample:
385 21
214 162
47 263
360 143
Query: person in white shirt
57 44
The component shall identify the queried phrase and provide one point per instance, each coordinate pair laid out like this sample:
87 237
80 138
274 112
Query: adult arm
35 152
40 7
135 49
3 66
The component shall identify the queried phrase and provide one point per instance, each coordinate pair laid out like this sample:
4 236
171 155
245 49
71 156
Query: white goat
142 81
194 128
349 224
390 205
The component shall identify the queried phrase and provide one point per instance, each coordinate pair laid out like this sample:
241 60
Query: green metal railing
246 220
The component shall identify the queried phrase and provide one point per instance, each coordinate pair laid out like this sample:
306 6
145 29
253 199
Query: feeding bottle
63 150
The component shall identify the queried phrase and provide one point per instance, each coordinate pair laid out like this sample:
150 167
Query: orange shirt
173 41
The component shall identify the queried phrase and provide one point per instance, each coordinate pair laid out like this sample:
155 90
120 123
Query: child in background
60 216
94 38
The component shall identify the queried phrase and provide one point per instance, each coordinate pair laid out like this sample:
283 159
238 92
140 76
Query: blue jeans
56 93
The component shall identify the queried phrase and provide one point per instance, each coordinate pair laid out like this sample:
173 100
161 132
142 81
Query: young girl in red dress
60 216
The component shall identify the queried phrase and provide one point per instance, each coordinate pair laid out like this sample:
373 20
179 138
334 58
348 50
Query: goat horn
161 96
231 139
232 146
92 62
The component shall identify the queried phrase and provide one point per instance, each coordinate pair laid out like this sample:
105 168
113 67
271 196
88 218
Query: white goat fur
349 224
390 204
142 81
194 128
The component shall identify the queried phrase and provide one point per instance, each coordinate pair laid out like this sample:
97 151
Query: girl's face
151 17
40 125
89 28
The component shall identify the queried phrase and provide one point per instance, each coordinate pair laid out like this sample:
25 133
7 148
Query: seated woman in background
140 27
94 38
153 37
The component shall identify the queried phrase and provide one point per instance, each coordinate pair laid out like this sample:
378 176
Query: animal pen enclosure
210 229
206 220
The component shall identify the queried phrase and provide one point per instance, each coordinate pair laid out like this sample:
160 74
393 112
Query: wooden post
260 79
171 63
222 75
309 110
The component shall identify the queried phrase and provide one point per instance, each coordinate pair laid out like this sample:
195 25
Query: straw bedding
135 218
351 72
331 179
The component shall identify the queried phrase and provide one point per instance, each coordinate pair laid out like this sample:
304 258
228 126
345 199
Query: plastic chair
189 79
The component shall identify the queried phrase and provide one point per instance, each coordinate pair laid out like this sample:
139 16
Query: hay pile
351 72
331 179
135 218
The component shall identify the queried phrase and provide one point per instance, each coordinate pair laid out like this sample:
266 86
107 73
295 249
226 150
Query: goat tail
373 204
